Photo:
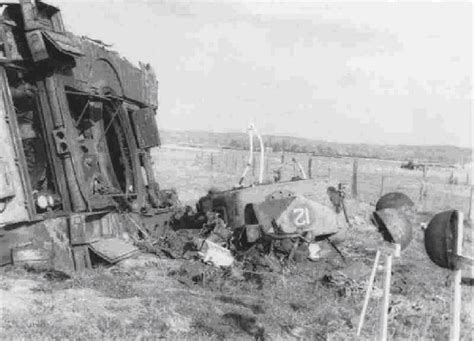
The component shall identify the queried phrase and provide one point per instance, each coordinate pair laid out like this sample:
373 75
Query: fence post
423 189
382 183
267 161
212 161
354 178
471 204
451 178
310 164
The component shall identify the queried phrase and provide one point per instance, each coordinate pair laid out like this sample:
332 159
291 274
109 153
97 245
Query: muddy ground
148 298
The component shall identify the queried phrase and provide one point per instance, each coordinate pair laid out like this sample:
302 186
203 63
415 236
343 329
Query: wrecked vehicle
278 211
77 123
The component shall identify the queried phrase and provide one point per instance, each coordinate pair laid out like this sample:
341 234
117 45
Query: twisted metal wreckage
77 123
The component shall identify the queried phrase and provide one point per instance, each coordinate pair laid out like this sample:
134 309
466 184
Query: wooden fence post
382 183
423 188
471 204
310 164
212 161
267 161
354 178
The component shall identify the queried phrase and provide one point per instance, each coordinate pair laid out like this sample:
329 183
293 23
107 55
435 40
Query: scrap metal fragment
113 249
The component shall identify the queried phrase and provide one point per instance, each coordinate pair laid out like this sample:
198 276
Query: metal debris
113 249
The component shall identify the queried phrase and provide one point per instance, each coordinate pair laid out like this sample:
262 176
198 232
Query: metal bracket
59 135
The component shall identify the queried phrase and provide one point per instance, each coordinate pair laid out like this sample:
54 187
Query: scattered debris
216 254
298 332
246 302
319 250
247 323
113 249
350 281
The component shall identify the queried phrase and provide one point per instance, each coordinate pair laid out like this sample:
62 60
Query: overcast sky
386 73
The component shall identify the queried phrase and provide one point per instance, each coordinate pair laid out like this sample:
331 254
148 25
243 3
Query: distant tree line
438 154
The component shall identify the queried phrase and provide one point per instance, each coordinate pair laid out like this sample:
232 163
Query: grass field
147 298
201 169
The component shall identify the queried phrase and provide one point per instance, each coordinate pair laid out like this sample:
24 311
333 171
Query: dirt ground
149 298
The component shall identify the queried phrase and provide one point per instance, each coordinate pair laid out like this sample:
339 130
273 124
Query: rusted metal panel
303 215
145 128
63 43
81 257
296 215
51 235
134 84
65 132
37 45
89 228
14 208
6 183
37 14
74 156
150 85
9 49
282 208
31 256
28 9
113 249
235 200
77 229
57 166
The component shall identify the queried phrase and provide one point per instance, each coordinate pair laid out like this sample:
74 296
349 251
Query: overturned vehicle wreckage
77 123
285 218
281 215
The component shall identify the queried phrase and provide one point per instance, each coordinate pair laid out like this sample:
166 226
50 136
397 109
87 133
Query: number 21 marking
301 216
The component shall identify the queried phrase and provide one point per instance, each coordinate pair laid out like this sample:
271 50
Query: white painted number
301 216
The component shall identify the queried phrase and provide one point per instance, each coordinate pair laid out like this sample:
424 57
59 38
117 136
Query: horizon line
283 135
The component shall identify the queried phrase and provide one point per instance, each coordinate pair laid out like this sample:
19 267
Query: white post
249 163
456 303
262 157
386 298
368 292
